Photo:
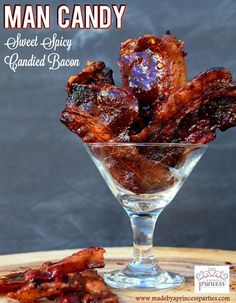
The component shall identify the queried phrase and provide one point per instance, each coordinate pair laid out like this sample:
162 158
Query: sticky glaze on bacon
100 113
128 167
195 112
12 282
69 278
95 72
80 286
85 259
96 110
95 290
159 105
201 125
152 67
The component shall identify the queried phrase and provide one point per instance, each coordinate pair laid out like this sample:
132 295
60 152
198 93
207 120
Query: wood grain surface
181 260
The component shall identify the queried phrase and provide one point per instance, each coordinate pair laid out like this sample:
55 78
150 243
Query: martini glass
144 178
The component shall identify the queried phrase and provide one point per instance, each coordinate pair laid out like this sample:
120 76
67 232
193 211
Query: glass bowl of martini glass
144 178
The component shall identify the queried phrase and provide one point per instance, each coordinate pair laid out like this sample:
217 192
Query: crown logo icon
211 273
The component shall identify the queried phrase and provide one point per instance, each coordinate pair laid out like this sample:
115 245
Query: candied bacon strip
69 298
84 285
152 68
201 125
95 72
88 258
100 113
195 112
93 289
209 85
70 278
194 93
94 285
128 167
86 298
33 291
91 257
12 282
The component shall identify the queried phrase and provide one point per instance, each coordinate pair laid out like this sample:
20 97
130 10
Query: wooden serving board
181 260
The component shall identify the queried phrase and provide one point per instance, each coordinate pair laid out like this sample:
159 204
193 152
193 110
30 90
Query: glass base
159 281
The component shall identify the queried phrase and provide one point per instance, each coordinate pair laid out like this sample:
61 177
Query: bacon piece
193 113
77 287
194 93
86 298
201 125
70 280
95 72
93 289
12 282
100 113
69 298
91 257
33 291
190 101
152 68
134 171
95 286
87 91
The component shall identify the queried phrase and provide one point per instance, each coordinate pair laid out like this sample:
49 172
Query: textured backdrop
52 197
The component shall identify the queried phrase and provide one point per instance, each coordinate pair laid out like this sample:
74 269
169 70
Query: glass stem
143 226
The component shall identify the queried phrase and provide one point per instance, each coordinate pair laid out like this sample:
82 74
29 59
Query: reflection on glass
144 177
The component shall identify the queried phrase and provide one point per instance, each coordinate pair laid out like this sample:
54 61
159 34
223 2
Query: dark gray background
51 195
